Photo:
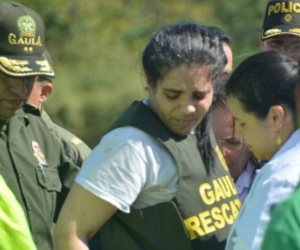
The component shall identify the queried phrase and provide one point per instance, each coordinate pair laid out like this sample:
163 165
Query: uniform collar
32 109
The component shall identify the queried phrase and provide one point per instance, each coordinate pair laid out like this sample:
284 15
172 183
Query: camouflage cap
22 42
281 18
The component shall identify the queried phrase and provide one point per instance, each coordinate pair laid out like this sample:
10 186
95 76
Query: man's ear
261 42
46 91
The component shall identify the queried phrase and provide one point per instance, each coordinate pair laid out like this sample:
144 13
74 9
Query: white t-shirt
273 183
130 168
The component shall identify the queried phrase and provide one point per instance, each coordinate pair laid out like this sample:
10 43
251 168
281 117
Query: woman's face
235 152
182 98
257 134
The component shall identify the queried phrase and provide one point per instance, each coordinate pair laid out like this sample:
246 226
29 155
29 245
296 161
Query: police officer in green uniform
32 161
74 147
281 28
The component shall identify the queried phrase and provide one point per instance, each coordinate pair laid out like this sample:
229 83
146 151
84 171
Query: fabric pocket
49 178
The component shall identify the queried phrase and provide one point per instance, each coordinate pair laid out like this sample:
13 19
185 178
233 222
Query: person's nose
292 53
188 106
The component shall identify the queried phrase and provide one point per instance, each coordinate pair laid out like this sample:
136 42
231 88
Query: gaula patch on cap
38 153
27 28
22 42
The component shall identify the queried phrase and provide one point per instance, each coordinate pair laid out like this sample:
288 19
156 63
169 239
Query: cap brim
25 66
280 30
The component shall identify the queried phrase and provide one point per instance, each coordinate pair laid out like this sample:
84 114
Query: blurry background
96 49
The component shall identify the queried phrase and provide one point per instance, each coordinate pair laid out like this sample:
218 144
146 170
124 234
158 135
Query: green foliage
96 48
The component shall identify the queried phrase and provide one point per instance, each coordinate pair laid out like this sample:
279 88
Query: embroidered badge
44 66
295 30
26 26
288 17
15 65
272 31
38 153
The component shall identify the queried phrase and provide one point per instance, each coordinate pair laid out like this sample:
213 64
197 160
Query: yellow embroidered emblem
272 31
15 65
221 158
26 26
288 17
295 30
38 153
45 66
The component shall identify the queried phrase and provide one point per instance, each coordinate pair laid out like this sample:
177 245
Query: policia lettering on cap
32 160
281 28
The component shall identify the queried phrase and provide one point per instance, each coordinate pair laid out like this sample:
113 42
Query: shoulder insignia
38 153
76 140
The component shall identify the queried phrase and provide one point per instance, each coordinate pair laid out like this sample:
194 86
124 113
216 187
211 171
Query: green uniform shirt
14 230
74 147
38 172
283 231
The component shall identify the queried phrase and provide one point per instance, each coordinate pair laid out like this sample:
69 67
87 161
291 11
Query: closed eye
199 96
172 95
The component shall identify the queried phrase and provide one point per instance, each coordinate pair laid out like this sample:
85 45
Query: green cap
22 42
281 18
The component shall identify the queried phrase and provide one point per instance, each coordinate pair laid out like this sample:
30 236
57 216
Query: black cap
22 42
281 18
48 57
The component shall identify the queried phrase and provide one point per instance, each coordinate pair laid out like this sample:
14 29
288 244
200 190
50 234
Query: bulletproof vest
203 210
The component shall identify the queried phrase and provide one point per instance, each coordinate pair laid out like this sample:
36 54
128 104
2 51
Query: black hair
219 97
204 145
224 37
264 80
182 44
192 45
